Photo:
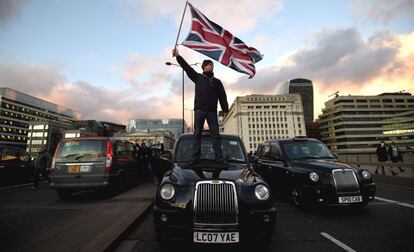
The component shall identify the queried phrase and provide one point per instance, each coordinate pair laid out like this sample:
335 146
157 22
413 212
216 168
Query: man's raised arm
191 73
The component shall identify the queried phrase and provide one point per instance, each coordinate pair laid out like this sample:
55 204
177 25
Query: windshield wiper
85 155
309 157
70 155
235 161
327 157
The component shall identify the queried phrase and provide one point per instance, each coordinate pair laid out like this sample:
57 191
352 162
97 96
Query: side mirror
253 159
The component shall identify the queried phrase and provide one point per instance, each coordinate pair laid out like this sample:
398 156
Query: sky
106 58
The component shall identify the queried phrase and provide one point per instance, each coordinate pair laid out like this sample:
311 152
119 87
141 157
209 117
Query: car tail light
108 161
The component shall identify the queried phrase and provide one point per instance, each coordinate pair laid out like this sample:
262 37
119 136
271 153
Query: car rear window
77 148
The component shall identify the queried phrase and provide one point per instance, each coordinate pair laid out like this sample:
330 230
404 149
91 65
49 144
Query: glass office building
174 126
304 87
17 109
357 124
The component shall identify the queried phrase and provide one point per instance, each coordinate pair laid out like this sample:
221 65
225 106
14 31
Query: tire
64 194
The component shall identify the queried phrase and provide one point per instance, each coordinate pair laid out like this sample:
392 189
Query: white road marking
395 202
20 185
337 242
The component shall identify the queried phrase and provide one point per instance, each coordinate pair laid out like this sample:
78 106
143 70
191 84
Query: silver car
94 163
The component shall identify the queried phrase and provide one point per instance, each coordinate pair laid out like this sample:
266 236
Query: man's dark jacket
208 89
382 154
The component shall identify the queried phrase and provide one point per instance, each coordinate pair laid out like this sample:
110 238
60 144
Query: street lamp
192 120
182 76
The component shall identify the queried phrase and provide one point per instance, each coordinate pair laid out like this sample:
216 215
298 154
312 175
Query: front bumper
327 194
253 225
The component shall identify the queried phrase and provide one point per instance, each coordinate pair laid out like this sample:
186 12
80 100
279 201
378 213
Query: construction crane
336 94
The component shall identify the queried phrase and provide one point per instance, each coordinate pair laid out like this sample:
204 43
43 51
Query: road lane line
395 202
20 185
337 242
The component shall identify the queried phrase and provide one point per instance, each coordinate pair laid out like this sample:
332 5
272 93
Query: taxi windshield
232 150
306 150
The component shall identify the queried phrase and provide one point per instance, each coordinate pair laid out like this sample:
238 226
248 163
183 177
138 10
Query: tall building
174 126
356 124
150 138
17 109
303 87
89 128
256 118
45 134
100 128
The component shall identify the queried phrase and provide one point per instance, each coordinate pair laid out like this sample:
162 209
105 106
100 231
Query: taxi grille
215 203
345 181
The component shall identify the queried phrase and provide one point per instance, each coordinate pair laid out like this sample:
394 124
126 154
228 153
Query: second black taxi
305 170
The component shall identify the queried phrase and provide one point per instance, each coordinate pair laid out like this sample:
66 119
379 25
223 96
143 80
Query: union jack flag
212 40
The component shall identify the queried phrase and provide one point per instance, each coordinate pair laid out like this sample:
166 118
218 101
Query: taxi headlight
366 174
167 192
262 192
314 176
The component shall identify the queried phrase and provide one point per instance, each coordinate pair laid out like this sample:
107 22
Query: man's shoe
393 173
401 169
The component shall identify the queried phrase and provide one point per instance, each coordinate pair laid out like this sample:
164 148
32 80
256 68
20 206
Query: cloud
33 79
94 102
339 59
337 56
382 11
10 9
235 15
111 104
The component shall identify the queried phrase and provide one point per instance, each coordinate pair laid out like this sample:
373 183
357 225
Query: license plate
350 199
73 169
85 168
207 237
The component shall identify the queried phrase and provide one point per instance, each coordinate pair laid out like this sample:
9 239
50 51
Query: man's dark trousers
211 117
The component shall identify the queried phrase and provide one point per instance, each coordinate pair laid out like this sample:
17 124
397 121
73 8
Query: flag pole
179 29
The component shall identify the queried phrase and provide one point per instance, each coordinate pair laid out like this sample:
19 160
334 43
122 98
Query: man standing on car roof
208 91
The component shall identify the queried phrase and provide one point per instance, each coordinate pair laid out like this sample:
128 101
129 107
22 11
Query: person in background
382 157
395 155
41 167
146 156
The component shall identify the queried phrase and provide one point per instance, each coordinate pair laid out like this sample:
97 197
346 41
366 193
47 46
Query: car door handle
2 166
22 165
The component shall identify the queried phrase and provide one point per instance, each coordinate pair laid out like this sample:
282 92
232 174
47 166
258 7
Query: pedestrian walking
146 155
208 92
41 167
395 155
382 156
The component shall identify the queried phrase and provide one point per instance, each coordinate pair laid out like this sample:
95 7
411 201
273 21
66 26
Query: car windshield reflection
232 150
306 150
